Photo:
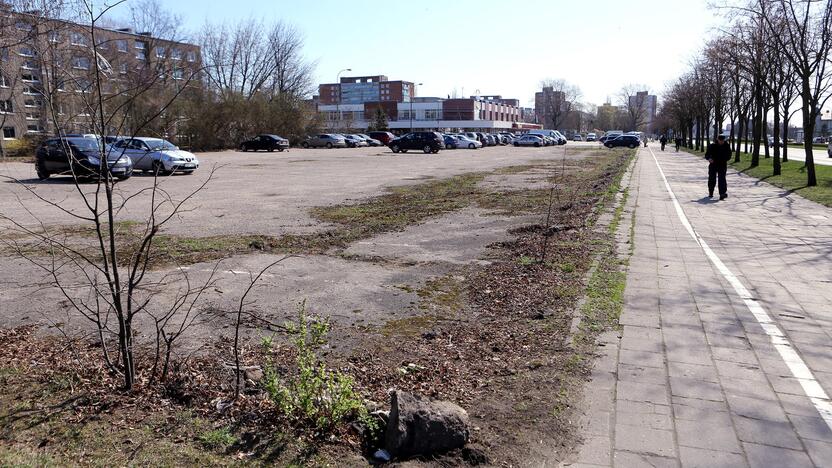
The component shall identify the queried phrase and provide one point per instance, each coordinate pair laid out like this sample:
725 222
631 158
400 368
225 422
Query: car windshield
85 144
160 145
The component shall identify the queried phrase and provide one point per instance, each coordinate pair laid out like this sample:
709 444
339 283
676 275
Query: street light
338 104
411 104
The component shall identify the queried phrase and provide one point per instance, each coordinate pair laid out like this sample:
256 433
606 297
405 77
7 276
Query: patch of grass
217 439
793 177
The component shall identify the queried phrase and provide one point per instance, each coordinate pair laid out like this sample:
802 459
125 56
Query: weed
315 396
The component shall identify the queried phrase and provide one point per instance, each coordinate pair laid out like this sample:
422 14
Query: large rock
419 426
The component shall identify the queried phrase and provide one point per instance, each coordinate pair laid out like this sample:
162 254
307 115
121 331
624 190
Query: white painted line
795 363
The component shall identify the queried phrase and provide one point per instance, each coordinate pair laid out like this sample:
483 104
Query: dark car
79 156
630 141
265 142
384 137
450 142
429 142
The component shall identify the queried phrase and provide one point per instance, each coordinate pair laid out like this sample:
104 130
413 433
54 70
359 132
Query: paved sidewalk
694 379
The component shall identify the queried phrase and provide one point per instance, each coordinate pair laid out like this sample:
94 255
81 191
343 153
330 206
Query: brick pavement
693 378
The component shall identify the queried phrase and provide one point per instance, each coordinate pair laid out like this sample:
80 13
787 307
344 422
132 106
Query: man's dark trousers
716 171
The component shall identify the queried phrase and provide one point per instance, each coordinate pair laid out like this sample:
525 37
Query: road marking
795 363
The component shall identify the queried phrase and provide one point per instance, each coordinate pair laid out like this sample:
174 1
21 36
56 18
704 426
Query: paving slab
700 378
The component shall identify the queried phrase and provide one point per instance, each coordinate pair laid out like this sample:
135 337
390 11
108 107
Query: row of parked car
81 155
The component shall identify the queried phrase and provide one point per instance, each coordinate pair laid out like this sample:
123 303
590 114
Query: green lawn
793 177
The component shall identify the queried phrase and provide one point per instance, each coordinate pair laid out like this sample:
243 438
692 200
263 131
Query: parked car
383 137
156 155
508 137
450 142
819 139
560 138
530 140
354 141
370 141
577 137
80 156
473 136
591 137
482 138
829 149
463 141
327 140
630 141
429 142
771 142
265 142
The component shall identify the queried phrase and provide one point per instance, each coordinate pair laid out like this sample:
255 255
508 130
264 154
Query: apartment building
361 89
48 69
646 105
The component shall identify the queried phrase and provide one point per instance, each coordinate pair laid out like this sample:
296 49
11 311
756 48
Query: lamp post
338 104
411 104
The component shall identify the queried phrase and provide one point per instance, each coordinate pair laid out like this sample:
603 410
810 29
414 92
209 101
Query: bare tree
803 31
633 100
560 101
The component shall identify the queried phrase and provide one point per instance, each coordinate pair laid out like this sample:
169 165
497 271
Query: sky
486 47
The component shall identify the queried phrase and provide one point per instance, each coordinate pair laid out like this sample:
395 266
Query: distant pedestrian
663 141
645 140
718 154
678 144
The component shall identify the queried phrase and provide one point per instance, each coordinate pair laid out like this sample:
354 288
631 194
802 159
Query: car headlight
123 160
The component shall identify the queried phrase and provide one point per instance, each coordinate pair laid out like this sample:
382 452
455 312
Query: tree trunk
755 144
739 140
765 137
808 133
776 135
785 136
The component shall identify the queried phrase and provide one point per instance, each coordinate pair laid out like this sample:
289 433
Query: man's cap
720 137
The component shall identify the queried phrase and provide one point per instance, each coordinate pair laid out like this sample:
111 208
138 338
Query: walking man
663 141
718 155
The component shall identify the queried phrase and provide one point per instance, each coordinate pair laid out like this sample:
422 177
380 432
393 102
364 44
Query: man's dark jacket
721 154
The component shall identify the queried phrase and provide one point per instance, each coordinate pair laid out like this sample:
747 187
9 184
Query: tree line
771 61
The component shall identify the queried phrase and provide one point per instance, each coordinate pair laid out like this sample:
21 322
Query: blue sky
491 46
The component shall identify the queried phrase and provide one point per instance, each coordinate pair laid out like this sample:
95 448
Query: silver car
156 155
529 140
327 140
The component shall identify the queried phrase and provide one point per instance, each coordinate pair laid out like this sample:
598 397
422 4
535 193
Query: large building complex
354 103
48 73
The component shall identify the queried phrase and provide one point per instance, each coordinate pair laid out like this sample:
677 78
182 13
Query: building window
32 116
34 128
178 73
29 78
77 38
29 65
141 55
176 54
140 45
54 36
4 53
32 103
160 52
6 107
4 82
81 63
31 90
8 133
191 56
121 45
23 26
123 69
82 85
431 114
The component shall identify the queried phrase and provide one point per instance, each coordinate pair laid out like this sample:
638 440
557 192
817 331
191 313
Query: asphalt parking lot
271 194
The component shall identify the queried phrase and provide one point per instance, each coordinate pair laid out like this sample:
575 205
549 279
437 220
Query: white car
577 137
156 155
465 142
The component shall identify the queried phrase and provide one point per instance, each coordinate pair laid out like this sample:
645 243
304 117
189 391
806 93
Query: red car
383 137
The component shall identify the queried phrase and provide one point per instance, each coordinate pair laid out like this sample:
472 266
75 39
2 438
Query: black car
79 156
265 142
630 141
429 142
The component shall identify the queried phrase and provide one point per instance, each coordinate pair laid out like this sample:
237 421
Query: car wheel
159 169
245 149
516 144
43 174
436 151
123 177
608 145
395 148
631 146
329 145
280 150
305 144
537 144
471 146
271 150
427 149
